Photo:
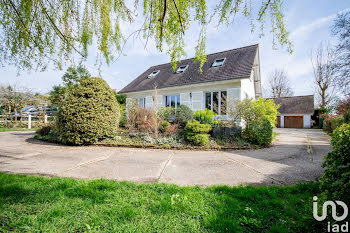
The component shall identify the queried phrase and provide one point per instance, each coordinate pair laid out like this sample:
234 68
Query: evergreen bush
259 132
89 112
197 133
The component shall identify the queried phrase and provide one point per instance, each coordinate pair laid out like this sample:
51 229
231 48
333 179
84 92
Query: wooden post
45 119
29 121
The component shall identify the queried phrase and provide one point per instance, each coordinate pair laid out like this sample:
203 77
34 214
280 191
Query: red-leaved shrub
171 129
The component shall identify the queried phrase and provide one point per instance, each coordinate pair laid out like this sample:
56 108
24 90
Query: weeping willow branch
33 31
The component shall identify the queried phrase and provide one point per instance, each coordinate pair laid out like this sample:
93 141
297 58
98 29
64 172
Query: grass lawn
40 204
17 129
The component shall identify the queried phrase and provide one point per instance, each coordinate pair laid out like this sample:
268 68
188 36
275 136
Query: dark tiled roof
238 64
295 104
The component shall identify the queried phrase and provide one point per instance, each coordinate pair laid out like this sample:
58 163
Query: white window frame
216 62
177 98
211 101
153 74
143 102
181 69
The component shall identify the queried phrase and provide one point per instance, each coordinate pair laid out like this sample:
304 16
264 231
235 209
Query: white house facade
229 75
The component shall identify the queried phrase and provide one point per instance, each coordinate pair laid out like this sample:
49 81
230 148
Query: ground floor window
216 101
141 102
172 101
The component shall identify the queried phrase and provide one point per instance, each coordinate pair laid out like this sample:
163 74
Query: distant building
295 111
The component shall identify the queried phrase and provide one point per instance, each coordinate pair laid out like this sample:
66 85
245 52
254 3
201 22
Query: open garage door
294 122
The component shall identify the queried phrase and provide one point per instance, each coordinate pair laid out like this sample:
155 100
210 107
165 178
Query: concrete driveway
295 156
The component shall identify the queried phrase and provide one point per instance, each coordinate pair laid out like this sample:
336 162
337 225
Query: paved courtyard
295 156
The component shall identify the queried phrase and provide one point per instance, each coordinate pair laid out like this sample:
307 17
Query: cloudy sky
308 22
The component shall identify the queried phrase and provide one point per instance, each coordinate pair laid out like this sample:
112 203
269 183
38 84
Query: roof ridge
210 54
290 96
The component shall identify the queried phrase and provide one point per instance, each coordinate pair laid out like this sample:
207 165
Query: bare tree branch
324 75
278 84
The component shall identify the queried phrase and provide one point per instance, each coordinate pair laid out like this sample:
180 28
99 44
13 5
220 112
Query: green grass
16 129
40 204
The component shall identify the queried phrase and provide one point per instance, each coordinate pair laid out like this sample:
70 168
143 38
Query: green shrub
335 182
183 114
165 113
205 117
259 132
197 127
51 136
200 139
121 98
89 112
164 126
347 117
123 117
43 131
171 140
254 110
192 131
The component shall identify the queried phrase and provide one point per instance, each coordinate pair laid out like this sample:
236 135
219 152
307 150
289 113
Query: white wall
247 88
193 95
190 95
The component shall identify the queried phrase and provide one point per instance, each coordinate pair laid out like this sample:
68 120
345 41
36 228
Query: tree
278 84
121 98
341 29
13 99
57 95
324 75
34 34
73 76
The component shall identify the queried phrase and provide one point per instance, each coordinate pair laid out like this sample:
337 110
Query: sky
308 22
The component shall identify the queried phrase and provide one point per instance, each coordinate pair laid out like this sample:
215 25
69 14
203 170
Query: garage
294 111
293 122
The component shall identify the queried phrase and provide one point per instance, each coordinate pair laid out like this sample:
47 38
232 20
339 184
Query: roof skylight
153 74
181 69
219 62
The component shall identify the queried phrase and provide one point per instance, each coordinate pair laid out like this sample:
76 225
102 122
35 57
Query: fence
25 120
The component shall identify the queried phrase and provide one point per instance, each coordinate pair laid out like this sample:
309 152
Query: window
223 103
208 100
219 62
216 101
181 69
141 102
172 101
153 74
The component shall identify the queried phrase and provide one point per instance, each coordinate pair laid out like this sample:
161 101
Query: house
227 75
295 111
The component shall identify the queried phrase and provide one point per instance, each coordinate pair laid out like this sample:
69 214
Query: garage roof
295 104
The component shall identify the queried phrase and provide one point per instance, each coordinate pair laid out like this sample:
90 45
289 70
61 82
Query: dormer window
218 62
181 69
153 74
